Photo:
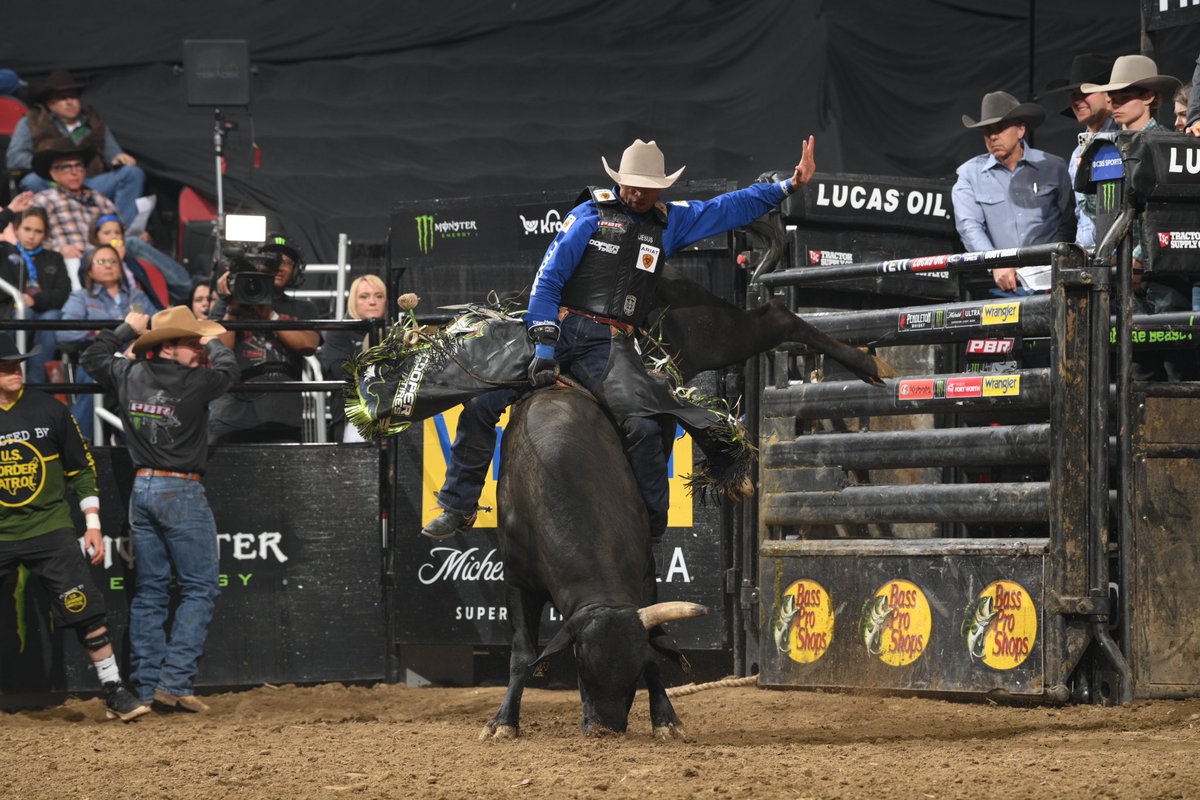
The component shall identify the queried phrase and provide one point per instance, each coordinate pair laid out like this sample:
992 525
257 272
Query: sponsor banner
1001 385
803 626
988 347
915 321
895 623
957 388
970 316
859 201
1107 164
829 258
1001 313
1000 625
1173 234
915 389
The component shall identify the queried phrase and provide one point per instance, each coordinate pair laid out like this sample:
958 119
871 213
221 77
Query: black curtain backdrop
358 105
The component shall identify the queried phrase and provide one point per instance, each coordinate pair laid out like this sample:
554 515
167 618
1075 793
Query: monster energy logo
1108 196
425 232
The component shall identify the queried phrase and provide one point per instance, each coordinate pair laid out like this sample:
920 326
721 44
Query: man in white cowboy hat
164 405
1014 195
1089 109
592 291
42 456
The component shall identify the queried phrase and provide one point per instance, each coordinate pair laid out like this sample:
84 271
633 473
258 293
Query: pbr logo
989 347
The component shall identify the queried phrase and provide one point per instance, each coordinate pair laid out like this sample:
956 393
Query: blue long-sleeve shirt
688 221
995 208
99 304
20 146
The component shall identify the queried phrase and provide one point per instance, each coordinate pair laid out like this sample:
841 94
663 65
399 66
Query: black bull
573 525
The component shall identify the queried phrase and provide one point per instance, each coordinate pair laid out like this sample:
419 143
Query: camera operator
253 288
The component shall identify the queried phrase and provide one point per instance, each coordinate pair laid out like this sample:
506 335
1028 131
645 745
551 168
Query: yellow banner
1001 385
439 435
1001 313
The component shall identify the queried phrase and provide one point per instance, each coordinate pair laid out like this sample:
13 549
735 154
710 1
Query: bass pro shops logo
429 229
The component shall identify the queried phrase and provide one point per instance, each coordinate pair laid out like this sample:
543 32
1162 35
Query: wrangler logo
1001 385
1001 313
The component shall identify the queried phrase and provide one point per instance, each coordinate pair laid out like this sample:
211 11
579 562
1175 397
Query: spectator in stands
109 230
201 300
1091 111
72 206
171 523
265 355
368 300
39 274
58 112
1015 195
1181 106
11 84
105 296
36 530
1193 109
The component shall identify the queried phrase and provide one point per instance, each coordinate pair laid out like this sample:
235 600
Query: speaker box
217 72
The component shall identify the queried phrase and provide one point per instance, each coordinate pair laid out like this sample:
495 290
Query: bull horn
659 613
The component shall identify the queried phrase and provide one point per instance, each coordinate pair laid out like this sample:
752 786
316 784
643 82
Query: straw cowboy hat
1003 107
9 351
642 166
177 322
1087 68
1136 71
43 157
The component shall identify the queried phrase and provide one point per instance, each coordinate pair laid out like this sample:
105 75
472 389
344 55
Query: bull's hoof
494 731
666 733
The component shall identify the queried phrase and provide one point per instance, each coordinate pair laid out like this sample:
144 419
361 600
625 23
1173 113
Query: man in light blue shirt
1014 195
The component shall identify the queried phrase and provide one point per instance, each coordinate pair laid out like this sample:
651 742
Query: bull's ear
560 641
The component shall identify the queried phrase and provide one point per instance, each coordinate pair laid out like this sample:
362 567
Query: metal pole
18 310
340 303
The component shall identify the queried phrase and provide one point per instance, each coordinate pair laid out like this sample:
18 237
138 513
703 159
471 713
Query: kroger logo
551 223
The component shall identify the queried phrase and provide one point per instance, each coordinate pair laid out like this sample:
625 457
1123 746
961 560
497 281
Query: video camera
251 274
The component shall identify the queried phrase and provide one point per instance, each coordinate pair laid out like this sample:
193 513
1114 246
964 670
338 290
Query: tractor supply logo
895 623
22 472
1001 385
914 390
428 229
1107 199
915 321
1000 625
829 258
156 415
803 626
1001 313
439 435
1179 240
74 600
990 347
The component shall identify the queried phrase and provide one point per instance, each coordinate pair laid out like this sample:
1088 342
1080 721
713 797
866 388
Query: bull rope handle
692 688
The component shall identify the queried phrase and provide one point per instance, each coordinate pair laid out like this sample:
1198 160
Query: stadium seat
157 282
11 112
196 214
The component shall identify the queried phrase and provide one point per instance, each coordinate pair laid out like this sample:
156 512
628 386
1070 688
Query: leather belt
624 327
146 472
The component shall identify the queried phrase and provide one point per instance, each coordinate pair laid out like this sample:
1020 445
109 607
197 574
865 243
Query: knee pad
87 636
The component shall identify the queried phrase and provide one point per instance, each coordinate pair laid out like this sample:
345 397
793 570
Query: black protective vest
622 262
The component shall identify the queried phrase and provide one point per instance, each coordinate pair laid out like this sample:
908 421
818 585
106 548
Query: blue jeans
84 405
171 524
123 186
35 369
179 280
471 453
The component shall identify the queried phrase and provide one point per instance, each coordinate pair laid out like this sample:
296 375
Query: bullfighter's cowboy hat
177 322
1135 71
9 351
44 156
642 166
1003 107
59 81
1087 68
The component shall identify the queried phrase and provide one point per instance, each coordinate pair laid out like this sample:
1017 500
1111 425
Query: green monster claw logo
1108 196
425 232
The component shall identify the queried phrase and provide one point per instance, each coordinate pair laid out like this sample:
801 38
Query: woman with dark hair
106 296
39 274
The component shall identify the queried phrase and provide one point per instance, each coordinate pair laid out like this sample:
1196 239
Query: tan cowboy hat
642 166
1137 71
1003 107
177 322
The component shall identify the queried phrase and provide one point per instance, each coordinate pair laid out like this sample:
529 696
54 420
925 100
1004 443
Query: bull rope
692 688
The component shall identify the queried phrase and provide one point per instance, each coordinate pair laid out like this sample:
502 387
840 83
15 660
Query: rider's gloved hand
543 369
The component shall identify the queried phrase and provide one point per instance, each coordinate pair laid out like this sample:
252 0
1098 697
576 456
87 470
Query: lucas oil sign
439 436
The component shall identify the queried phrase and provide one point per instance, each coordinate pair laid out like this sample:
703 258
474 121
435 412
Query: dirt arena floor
393 742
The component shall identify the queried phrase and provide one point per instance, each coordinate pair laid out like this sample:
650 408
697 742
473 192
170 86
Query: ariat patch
647 260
